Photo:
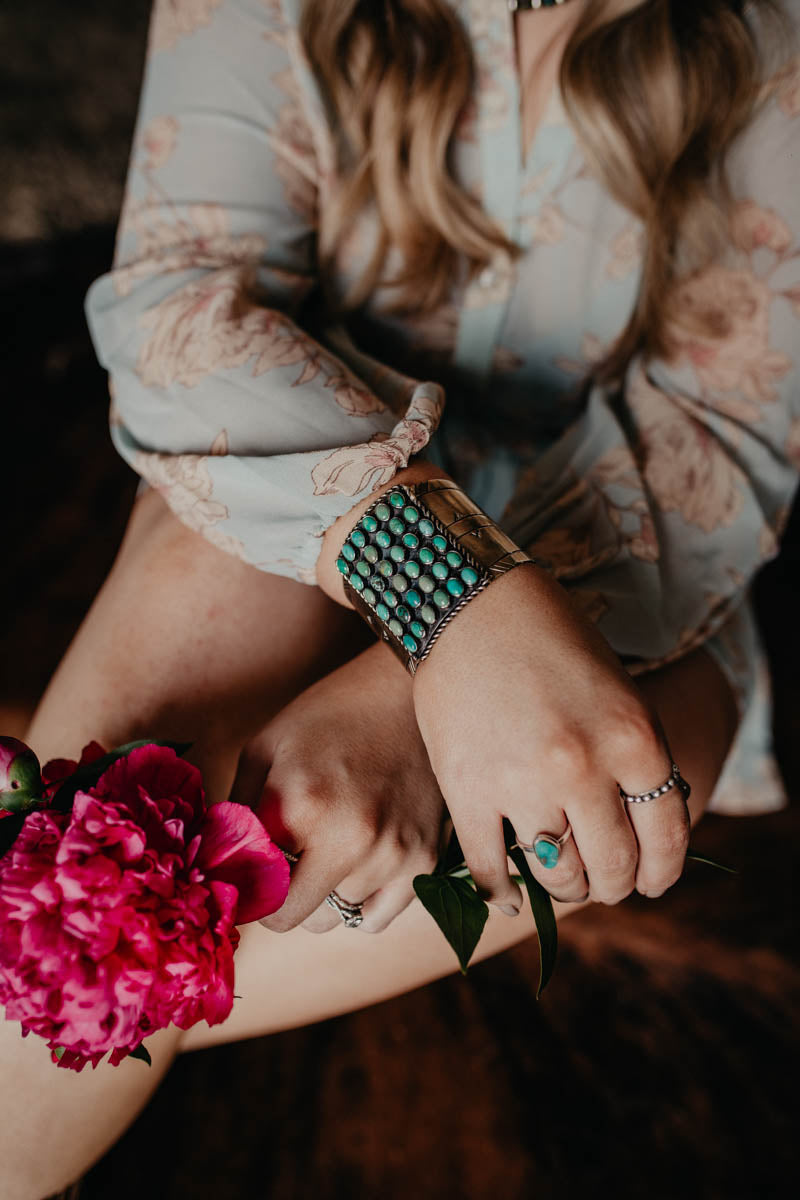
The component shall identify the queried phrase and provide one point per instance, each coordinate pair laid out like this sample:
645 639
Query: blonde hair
656 94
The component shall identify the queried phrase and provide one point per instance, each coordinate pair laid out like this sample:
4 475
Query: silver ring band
350 913
675 780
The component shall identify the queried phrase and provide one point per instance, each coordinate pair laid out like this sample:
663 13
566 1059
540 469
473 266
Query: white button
487 277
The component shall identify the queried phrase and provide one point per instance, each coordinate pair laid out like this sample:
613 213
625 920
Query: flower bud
20 777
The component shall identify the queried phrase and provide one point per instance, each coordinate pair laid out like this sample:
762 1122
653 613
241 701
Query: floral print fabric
261 421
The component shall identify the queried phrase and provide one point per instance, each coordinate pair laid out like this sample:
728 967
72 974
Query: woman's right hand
528 714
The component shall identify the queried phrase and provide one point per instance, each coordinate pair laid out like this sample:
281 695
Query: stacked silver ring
350 912
675 780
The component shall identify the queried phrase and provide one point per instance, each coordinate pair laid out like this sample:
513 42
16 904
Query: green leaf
59 1052
542 907
690 854
457 909
87 776
142 1053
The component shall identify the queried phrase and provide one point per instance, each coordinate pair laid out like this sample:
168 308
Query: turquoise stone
390 598
469 575
370 554
357 582
383 538
439 570
397 499
385 568
409 643
358 538
546 853
453 558
397 553
382 612
412 569
396 525
363 568
413 598
428 613
399 583
396 627
418 629
426 584
439 543
369 523
341 565
369 595
348 551
426 555
426 527
411 514
382 512
378 583
411 540
403 613
455 587
441 598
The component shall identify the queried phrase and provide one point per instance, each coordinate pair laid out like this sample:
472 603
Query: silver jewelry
350 913
546 847
675 780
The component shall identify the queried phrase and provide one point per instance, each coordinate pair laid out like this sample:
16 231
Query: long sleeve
659 503
257 434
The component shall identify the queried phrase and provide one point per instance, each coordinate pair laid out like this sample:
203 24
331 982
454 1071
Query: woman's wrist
329 579
416 557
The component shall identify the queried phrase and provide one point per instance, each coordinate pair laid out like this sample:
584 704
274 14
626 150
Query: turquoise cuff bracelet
418 554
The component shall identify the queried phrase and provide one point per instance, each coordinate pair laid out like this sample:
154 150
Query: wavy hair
656 91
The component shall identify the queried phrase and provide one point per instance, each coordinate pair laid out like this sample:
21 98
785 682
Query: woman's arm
186 642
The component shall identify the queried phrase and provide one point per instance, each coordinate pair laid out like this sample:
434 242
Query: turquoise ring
546 847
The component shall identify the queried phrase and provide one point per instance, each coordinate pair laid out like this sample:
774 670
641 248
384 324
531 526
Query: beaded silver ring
675 780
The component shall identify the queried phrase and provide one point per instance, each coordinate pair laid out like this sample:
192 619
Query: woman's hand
527 713
341 778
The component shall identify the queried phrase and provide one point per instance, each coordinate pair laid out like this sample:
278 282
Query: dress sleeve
658 505
257 433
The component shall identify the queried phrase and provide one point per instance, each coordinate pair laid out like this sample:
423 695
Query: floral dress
261 421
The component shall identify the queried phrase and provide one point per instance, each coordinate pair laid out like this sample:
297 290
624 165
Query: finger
661 825
251 772
324 918
605 841
381 908
485 855
566 879
313 878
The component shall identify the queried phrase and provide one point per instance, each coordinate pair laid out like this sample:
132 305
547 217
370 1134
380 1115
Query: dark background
662 1059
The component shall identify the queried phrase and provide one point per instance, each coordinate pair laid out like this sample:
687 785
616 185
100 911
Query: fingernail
509 910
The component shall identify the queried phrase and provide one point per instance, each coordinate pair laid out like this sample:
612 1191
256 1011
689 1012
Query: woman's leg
185 642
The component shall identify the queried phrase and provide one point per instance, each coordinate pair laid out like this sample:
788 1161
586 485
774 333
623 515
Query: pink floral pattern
173 19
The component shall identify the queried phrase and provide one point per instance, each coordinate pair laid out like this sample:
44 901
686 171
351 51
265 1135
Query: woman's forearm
184 641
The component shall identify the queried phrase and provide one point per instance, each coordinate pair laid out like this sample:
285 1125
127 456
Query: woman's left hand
341 778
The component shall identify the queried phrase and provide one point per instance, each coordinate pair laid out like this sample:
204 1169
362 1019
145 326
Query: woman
613 331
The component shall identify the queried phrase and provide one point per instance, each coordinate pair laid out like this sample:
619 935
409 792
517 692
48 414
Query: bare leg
184 641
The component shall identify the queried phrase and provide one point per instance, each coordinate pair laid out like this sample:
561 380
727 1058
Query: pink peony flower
119 918
58 770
